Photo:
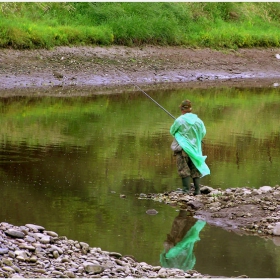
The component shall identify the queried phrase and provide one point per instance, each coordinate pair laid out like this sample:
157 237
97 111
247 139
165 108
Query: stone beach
31 251
242 210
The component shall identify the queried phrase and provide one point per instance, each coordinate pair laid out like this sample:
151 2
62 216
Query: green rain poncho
189 130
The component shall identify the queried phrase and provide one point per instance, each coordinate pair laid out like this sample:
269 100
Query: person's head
185 106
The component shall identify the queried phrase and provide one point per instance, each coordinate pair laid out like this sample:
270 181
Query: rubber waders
196 186
186 184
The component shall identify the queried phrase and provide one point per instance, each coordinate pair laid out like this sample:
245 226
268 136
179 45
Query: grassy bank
215 25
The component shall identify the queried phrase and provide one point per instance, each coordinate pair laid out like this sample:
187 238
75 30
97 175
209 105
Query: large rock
265 189
35 228
4 251
93 268
14 233
206 190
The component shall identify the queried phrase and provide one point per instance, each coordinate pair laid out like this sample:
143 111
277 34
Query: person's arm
203 130
174 127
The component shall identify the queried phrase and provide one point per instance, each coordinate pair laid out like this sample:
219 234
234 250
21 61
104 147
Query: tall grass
192 24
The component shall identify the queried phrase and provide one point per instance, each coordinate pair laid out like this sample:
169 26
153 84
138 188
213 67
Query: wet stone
151 212
7 262
70 274
4 251
55 254
276 230
56 248
29 239
14 233
40 270
45 240
265 189
84 247
35 228
28 247
33 259
51 233
93 268
115 254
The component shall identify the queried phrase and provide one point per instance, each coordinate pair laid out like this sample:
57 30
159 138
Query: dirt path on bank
116 68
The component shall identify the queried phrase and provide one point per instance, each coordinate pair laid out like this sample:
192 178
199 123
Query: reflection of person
189 130
178 248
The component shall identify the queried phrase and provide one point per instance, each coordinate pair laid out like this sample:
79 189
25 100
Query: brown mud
81 71
99 70
240 210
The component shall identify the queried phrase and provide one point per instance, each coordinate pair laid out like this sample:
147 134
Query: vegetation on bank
28 25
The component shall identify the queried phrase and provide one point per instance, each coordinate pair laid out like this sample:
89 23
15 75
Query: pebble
218 201
34 257
151 212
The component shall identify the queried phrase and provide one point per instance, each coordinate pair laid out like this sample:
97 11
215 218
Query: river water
76 164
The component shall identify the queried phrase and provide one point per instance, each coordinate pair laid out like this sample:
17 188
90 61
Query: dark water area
75 166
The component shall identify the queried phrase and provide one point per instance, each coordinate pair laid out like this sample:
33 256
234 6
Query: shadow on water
75 165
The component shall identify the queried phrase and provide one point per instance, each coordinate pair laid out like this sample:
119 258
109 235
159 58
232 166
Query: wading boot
186 184
196 186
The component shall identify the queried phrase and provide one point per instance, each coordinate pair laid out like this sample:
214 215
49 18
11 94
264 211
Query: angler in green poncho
189 130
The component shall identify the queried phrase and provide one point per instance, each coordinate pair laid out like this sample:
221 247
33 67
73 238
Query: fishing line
155 102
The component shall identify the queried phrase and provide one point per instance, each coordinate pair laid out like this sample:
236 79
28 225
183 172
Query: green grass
28 25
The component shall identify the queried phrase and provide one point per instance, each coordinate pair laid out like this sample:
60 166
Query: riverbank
241 210
31 251
96 70
85 71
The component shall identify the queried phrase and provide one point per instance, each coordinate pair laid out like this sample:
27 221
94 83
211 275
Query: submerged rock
254 211
151 212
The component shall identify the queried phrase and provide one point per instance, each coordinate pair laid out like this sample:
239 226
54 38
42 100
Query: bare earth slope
118 67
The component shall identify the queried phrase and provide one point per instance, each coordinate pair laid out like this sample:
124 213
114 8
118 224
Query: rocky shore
31 251
242 210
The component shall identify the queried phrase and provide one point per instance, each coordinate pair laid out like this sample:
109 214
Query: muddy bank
96 70
241 210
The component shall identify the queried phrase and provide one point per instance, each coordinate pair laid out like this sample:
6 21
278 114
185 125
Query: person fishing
188 131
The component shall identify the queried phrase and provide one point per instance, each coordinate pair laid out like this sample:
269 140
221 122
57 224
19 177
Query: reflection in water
76 159
178 248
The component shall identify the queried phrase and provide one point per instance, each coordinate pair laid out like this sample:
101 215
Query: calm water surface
65 162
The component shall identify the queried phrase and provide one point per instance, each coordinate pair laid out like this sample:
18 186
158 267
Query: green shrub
196 24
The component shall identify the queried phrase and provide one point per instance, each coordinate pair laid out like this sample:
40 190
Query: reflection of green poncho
189 130
181 256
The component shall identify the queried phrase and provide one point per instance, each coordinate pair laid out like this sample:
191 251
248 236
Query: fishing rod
155 102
